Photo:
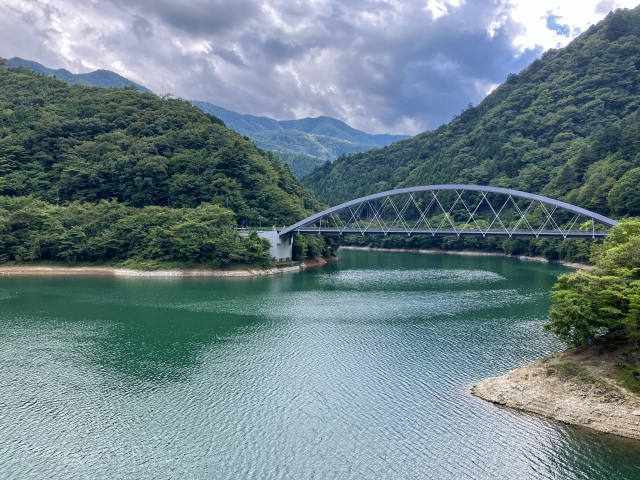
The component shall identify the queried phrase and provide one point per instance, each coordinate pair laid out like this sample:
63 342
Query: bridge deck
422 210
450 232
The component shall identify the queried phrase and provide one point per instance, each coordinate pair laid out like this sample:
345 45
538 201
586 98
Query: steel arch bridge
456 211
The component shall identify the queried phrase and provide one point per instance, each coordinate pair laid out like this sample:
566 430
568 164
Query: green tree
137 178
586 304
624 197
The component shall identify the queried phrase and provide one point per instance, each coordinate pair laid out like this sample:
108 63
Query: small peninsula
580 386
596 381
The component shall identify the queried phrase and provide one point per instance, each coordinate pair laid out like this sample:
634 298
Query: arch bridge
455 211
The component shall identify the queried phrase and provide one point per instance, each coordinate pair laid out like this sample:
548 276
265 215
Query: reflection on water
360 369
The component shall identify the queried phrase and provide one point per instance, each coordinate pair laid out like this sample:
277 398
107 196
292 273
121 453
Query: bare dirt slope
583 386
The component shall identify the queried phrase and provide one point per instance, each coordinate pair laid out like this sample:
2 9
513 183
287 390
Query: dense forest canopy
300 164
109 231
567 127
302 144
91 144
135 165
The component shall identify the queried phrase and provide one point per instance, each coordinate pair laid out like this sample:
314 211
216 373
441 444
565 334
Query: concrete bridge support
281 247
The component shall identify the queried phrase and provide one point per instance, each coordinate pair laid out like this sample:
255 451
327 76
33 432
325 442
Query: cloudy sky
397 66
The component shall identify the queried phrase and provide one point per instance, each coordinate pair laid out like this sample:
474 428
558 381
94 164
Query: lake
360 369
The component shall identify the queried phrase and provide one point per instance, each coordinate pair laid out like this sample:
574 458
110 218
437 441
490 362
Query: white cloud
379 65
439 8
578 15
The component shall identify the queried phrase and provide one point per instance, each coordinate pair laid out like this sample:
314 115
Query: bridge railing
457 210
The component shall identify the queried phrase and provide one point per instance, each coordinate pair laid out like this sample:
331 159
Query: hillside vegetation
134 176
302 144
300 164
607 299
111 232
567 127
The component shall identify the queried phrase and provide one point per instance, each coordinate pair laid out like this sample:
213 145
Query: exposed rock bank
573 387
318 261
124 272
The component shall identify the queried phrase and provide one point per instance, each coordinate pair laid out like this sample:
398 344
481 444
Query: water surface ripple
360 369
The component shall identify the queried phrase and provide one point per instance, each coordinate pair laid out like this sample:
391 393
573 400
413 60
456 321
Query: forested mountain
303 144
319 146
567 127
133 167
300 163
97 78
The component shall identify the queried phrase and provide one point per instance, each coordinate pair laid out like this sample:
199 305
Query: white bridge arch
458 211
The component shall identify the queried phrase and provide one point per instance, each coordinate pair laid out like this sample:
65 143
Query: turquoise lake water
360 369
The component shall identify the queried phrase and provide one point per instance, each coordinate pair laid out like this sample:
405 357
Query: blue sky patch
560 29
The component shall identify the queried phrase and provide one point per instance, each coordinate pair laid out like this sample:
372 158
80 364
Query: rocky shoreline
580 266
318 261
125 272
56 270
573 387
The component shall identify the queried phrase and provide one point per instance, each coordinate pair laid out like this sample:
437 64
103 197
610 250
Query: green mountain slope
302 144
116 160
300 164
324 138
97 78
244 124
567 126
320 146
331 127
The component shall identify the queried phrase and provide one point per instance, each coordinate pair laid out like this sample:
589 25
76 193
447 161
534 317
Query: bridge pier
281 247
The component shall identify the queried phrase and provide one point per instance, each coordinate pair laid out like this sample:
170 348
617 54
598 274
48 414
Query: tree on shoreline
111 232
606 299
92 174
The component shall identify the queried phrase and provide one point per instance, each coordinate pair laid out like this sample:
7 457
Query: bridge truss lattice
459 211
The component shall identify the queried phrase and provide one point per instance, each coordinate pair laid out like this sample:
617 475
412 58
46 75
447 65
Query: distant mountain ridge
327 126
302 144
97 78
322 146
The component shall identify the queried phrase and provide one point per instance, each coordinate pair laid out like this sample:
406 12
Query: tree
586 304
624 197
136 175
